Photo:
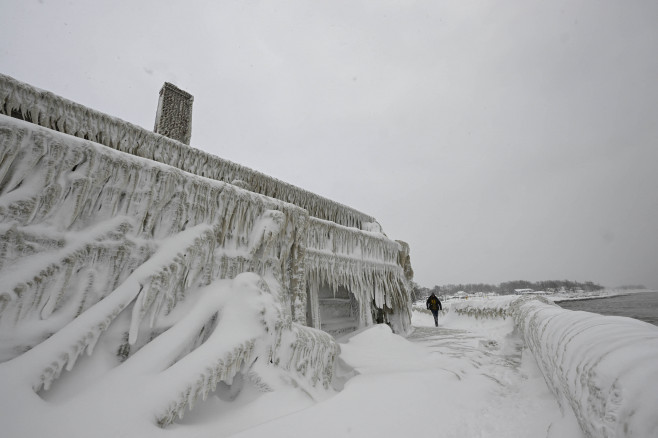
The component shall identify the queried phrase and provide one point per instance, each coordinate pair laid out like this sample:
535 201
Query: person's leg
435 313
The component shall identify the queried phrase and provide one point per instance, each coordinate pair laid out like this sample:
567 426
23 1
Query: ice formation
128 245
601 367
51 111
367 263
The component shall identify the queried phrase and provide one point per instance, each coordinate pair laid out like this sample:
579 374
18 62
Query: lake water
643 306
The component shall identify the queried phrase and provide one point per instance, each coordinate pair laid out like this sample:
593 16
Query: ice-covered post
174 116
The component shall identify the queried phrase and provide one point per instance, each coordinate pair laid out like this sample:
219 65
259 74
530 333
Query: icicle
385 283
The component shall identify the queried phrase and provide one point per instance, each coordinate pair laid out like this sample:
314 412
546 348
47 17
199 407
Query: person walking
434 305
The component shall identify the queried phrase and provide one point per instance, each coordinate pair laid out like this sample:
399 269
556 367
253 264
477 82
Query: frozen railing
44 108
332 238
482 309
602 367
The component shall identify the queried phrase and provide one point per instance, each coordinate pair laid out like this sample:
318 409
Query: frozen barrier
479 309
605 368
47 109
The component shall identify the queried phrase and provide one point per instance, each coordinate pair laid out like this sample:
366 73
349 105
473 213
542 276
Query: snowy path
514 403
468 378
471 353
440 382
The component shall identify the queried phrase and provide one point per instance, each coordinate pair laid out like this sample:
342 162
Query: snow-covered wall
602 367
49 110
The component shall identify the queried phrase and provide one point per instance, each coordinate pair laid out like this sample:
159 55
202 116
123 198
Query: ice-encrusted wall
377 279
603 368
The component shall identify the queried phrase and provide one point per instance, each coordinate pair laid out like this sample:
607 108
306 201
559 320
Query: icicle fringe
46 109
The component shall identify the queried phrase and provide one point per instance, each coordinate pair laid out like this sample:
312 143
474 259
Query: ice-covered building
108 227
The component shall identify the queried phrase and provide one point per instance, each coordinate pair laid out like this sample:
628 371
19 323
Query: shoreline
599 297
612 294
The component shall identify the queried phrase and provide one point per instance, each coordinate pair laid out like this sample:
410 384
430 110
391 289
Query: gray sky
503 140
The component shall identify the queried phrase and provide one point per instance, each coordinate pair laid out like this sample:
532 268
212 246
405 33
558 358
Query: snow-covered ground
468 378
504 367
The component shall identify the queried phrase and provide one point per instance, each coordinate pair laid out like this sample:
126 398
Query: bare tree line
505 288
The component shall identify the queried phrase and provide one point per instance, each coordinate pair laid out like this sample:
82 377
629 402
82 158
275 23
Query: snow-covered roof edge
47 109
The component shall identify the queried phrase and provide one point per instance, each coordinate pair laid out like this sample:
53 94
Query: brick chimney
174 116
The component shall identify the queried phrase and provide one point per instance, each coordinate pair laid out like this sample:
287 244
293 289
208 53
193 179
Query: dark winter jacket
433 303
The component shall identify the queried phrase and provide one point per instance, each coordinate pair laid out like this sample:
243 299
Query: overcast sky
502 140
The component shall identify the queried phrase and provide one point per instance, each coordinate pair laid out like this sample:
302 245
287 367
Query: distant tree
419 292
508 287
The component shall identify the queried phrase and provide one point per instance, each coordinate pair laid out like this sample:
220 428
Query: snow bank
602 367
231 333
